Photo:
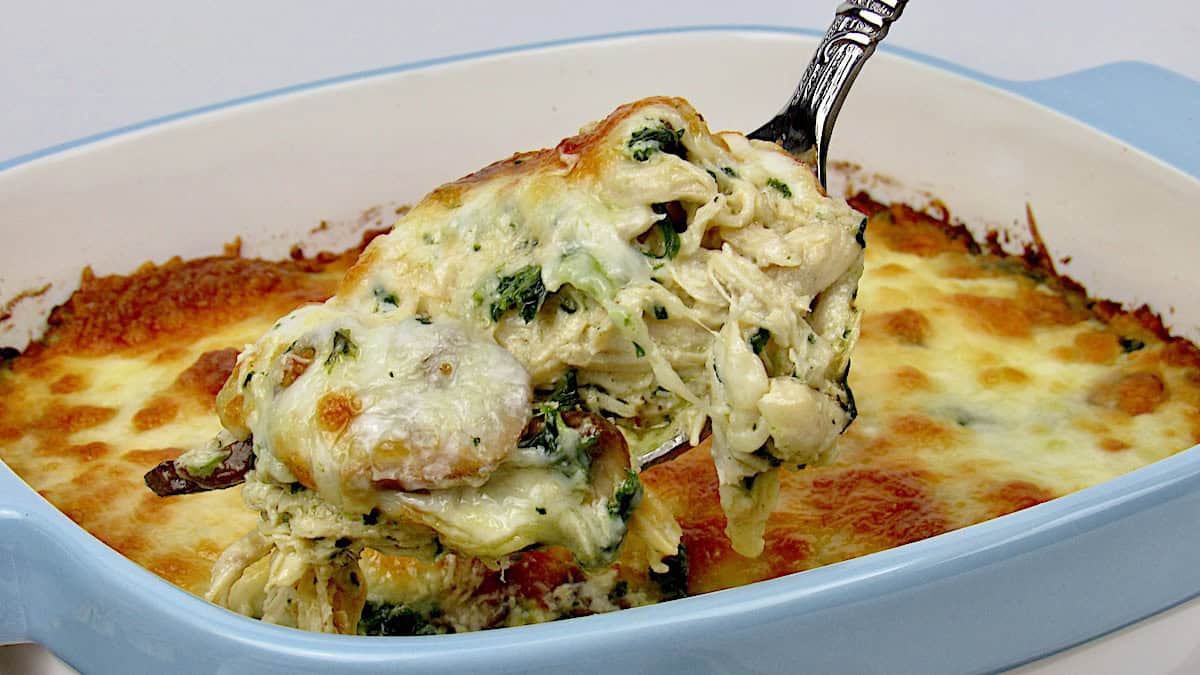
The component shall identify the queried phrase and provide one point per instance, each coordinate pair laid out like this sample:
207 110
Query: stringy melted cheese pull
683 278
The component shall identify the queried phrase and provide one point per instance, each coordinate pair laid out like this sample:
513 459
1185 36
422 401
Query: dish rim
1072 94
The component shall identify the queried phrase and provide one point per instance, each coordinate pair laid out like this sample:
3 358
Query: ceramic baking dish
270 167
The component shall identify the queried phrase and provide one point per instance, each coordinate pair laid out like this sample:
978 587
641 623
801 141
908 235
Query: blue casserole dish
982 598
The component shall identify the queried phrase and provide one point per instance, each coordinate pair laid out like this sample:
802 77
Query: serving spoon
805 124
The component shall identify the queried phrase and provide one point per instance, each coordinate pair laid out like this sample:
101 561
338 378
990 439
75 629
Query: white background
70 69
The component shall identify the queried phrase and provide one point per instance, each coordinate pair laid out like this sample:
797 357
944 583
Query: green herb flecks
728 171
626 497
647 141
660 313
565 395
343 348
673 221
670 239
522 291
781 186
385 300
566 449
637 349
382 618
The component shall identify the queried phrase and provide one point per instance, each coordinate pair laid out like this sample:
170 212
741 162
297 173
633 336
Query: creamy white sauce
741 315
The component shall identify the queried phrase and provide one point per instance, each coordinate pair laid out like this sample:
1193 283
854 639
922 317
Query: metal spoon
805 124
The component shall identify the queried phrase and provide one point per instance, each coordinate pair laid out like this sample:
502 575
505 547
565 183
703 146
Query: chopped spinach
781 186
383 618
637 349
728 170
385 299
545 434
343 347
673 221
660 313
565 395
626 497
647 141
522 291
670 239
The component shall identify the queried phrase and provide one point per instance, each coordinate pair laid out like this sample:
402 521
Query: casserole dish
981 598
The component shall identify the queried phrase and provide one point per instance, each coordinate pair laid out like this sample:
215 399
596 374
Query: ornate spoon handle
806 123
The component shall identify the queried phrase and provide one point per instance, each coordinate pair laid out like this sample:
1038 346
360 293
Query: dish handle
20 508
1141 104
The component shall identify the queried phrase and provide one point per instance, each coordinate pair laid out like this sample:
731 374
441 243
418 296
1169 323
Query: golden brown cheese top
984 386
963 416
125 378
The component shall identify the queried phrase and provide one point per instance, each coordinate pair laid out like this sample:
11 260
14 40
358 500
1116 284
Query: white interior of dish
272 170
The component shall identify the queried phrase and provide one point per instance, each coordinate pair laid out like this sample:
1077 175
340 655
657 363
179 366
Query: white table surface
71 69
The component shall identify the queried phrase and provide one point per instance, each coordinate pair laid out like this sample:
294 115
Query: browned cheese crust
127 373
952 332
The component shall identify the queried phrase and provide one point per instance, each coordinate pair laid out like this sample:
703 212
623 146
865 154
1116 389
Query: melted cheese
402 398
660 325
983 387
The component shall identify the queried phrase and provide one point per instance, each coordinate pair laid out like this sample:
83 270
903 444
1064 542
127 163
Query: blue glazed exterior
1039 573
